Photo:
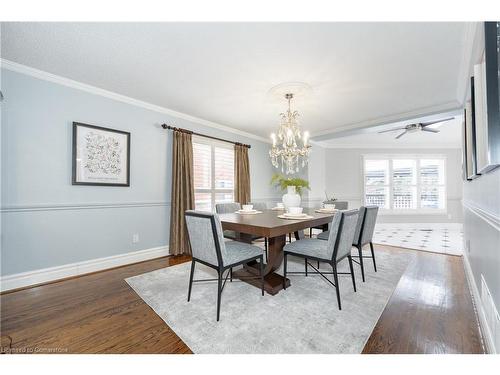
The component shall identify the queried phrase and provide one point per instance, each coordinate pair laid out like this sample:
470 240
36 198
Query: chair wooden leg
337 286
191 279
352 273
219 293
262 274
310 233
284 271
289 237
360 252
318 264
231 274
265 247
373 256
305 265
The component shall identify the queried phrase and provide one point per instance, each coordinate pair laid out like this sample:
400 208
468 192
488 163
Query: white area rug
436 237
302 319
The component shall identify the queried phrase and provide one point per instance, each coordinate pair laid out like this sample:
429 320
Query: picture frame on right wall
487 101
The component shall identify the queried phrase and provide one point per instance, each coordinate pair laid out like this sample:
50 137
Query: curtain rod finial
164 126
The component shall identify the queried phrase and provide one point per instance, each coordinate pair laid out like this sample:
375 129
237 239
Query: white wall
344 180
316 176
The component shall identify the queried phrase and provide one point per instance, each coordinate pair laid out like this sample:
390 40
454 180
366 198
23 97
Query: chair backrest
341 235
341 205
259 206
359 225
368 225
205 237
227 208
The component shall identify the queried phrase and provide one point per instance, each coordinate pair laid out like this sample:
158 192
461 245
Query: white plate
252 212
306 216
325 211
278 208
287 214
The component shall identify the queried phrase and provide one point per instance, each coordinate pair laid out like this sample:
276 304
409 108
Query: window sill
413 212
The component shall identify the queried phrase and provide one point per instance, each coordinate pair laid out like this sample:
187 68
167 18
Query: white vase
291 198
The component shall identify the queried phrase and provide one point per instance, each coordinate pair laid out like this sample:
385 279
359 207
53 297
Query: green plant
282 182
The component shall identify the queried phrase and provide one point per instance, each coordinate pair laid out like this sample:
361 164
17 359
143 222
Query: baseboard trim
46 275
476 296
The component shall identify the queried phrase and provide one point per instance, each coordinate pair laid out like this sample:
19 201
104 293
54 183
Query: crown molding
389 146
471 29
450 106
46 76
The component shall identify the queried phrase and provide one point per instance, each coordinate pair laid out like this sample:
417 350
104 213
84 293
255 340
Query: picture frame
487 109
100 156
469 134
464 148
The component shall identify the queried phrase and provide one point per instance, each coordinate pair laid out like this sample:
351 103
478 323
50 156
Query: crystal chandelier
285 150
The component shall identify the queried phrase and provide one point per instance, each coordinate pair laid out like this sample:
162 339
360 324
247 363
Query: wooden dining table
268 224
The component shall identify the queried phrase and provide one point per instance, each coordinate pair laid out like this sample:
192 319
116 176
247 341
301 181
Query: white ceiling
360 73
449 136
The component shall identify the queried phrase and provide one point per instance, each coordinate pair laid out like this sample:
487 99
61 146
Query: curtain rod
168 127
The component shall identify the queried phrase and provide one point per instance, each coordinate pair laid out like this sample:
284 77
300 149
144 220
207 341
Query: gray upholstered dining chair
339 205
337 248
259 206
228 208
209 248
363 236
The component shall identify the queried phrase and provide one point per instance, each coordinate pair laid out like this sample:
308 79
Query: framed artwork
101 156
464 148
487 101
469 138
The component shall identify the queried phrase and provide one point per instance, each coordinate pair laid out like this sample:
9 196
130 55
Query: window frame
213 190
417 157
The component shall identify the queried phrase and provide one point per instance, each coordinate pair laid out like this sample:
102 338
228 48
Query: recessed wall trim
489 217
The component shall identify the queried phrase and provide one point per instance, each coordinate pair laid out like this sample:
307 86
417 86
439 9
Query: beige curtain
241 174
182 192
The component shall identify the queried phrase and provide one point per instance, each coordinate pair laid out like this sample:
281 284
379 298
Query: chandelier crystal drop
290 148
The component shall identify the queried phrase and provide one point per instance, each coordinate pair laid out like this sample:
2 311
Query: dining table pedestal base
273 282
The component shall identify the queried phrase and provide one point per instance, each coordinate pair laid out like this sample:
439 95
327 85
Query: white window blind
405 183
213 173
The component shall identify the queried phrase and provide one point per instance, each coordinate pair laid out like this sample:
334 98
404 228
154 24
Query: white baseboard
476 295
44 275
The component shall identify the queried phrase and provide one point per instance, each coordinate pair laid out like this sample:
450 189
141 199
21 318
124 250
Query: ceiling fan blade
391 130
436 122
403 133
430 130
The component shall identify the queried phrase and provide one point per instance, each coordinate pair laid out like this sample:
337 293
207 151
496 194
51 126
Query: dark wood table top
268 224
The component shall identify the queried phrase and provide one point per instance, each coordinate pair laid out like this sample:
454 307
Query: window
405 183
213 173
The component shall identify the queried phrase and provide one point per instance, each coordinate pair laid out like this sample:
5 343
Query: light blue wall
46 221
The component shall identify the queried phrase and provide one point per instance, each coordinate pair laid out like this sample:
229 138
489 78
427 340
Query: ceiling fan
419 126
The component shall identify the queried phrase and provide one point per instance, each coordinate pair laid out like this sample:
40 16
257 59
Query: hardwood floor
97 313
430 312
